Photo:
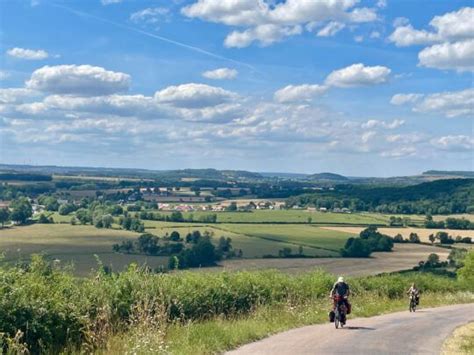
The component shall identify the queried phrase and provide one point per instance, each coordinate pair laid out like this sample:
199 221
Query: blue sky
377 88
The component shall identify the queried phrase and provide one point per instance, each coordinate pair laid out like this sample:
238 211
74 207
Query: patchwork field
423 233
71 244
292 216
403 257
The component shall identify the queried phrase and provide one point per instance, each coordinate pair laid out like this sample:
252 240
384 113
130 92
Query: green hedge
55 310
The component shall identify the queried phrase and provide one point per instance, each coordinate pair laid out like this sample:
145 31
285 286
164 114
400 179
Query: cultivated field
292 216
71 244
296 234
403 257
423 233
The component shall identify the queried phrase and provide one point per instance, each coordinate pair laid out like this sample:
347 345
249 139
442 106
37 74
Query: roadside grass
461 342
220 334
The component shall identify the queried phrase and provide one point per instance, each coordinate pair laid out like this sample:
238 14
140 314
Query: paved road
422 332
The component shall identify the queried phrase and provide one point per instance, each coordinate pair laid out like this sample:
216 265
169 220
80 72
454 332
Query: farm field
403 257
423 233
297 234
292 216
71 244
251 246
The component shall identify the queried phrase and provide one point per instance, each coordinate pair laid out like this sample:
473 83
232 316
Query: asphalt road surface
422 332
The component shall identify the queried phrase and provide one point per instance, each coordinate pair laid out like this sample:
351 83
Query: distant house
323 209
62 201
184 208
345 210
311 209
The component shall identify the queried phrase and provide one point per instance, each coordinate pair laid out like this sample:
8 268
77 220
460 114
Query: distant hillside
327 176
466 174
436 197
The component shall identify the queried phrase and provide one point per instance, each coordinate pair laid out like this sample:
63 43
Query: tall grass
54 311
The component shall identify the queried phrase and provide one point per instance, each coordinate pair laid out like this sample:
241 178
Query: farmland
293 216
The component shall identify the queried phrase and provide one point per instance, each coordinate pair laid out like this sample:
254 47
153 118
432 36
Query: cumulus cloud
221 74
194 95
454 143
401 99
81 80
358 75
458 56
451 40
268 22
151 15
28 54
295 93
15 95
449 103
331 29
4 75
264 34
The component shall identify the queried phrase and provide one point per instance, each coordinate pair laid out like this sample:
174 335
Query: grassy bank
142 312
460 342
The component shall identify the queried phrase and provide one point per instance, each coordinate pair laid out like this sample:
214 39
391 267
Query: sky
360 88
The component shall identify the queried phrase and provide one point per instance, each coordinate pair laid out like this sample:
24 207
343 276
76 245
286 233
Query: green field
296 234
71 244
291 216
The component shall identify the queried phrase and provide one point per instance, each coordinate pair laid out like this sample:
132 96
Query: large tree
21 210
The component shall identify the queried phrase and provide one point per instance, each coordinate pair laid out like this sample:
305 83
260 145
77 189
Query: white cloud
151 15
399 152
28 54
15 95
451 38
401 99
405 36
367 136
375 34
221 74
268 22
264 34
449 104
295 93
4 74
358 75
383 124
359 39
381 4
454 143
82 80
400 21
458 56
330 29
194 96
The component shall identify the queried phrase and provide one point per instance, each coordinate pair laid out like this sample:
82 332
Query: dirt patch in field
404 257
423 233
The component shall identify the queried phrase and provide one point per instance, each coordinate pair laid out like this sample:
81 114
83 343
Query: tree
174 236
414 238
433 260
232 207
45 220
66 209
357 248
466 273
432 238
398 238
21 210
4 216
84 216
